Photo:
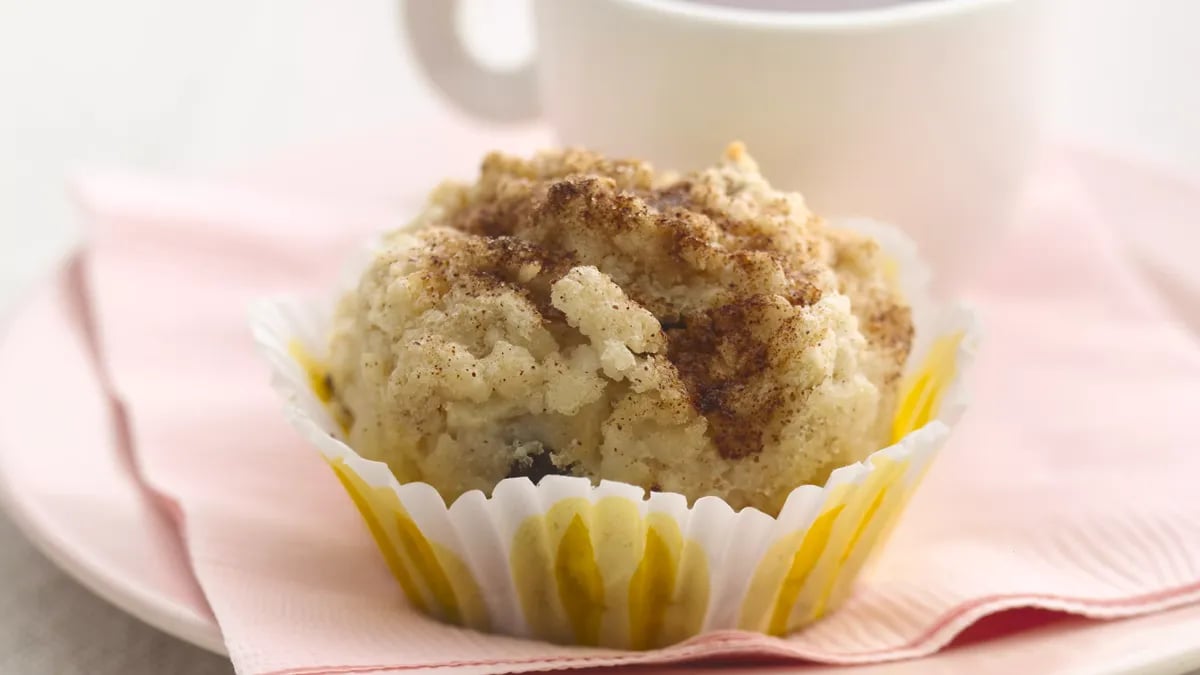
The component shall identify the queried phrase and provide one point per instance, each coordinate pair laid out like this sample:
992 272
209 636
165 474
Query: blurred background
203 87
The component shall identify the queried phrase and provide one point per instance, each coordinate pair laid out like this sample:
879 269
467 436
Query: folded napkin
1070 485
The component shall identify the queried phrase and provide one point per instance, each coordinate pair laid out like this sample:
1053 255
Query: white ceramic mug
923 113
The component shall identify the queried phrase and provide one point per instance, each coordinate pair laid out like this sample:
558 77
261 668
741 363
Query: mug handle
497 96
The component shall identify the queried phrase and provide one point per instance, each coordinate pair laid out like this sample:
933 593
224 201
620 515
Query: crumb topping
570 313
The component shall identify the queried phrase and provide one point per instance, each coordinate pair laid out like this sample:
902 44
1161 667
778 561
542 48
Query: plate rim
148 607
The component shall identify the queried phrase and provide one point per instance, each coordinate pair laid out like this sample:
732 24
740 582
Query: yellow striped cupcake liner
572 562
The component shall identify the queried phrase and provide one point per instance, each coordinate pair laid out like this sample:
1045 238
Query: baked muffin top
700 333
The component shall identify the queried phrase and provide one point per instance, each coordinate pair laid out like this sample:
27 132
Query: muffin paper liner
604 564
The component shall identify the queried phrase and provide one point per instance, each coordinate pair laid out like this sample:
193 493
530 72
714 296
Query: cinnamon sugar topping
703 333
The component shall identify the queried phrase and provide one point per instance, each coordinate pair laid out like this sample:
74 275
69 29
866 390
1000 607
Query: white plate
66 478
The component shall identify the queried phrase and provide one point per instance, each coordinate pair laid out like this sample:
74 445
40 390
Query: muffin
555 394
702 334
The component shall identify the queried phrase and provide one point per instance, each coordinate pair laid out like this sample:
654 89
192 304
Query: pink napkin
1070 486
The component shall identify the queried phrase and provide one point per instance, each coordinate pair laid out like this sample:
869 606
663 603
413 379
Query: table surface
188 88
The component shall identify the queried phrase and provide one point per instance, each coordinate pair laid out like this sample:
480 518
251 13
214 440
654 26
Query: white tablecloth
194 87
